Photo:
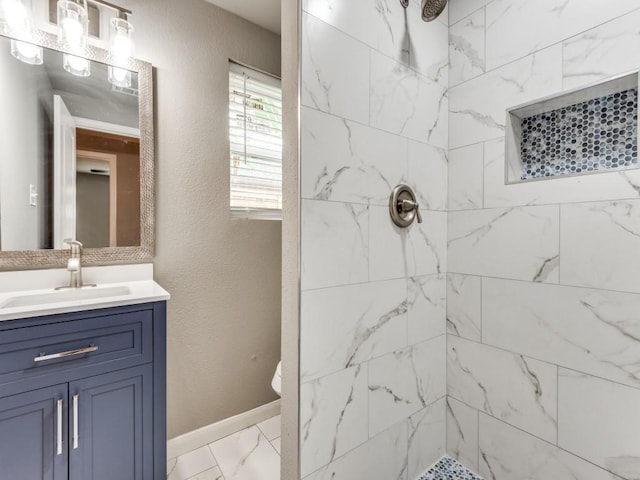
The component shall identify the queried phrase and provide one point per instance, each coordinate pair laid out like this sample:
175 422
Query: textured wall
223 274
372 369
543 294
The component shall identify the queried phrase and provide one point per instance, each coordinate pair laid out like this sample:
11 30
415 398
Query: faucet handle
74 245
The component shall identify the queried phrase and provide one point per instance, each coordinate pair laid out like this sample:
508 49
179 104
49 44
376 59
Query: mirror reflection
69 155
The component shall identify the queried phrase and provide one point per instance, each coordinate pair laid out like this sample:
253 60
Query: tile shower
503 330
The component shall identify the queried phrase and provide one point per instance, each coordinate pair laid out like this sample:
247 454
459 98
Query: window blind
255 138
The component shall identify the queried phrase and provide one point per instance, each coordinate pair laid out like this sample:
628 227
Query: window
255 138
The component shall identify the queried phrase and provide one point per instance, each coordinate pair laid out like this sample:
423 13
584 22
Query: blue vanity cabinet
31 446
99 414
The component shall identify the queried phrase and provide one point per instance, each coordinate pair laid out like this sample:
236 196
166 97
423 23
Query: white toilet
276 383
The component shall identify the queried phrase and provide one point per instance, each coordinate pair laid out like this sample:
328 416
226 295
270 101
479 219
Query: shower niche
589 130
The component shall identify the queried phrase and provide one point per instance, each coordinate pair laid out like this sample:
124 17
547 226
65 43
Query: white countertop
142 291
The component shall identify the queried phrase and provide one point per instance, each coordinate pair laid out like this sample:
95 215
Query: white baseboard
203 436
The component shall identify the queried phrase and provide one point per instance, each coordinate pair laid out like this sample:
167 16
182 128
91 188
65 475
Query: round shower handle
403 207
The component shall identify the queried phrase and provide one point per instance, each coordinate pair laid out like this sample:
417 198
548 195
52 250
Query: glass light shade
119 77
27 52
15 17
73 24
121 40
78 66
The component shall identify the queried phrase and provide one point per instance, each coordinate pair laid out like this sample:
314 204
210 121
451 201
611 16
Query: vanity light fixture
121 48
27 52
16 19
78 66
73 24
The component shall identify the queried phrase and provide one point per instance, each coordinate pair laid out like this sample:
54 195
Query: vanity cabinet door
111 426
33 435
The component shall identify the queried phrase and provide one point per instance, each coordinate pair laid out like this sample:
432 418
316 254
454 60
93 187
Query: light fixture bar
111 6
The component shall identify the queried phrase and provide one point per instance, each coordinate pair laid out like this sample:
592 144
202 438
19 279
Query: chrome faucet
74 266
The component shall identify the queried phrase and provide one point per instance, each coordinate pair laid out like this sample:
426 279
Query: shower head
431 9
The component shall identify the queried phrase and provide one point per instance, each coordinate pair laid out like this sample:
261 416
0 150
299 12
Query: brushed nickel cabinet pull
59 429
75 421
43 357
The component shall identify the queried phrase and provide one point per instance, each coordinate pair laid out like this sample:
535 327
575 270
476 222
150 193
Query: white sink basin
88 293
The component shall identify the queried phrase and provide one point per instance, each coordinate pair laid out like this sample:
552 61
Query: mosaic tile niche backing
593 135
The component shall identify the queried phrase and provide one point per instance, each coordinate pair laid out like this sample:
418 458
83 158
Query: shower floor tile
449 469
250 454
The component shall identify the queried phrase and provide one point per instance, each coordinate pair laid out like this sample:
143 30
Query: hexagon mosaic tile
448 468
598 134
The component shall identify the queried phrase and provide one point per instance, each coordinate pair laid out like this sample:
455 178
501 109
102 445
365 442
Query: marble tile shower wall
373 323
543 354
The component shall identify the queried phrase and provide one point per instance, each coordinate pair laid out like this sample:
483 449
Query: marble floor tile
276 443
271 427
190 464
247 455
212 474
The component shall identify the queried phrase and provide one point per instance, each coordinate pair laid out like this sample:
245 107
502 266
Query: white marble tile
405 252
519 243
405 103
389 30
427 174
345 326
190 464
464 305
597 244
246 455
466 172
429 243
582 188
507 453
335 245
212 474
466 48
335 71
277 444
427 434
610 438
602 51
404 382
428 51
427 307
333 417
345 16
478 106
271 427
593 331
383 457
348 162
459 9
516 28
462 433
518 390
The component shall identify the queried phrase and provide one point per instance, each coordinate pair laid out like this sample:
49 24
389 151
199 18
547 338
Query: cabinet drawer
119 341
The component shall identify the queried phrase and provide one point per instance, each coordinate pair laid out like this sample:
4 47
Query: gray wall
22 151
223 274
